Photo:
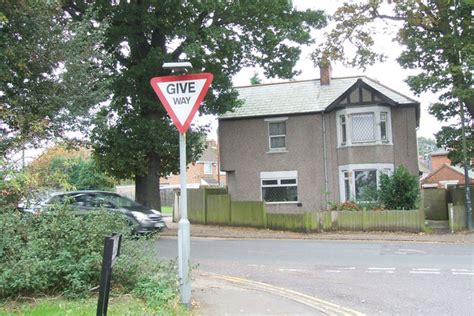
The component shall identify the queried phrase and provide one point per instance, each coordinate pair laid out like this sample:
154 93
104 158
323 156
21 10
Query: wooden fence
214 206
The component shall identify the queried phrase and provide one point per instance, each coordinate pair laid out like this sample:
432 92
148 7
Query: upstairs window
368 125
342 120
383 126
363 129
277 134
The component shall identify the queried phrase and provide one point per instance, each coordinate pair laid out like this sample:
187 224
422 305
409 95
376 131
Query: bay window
359 182
361 126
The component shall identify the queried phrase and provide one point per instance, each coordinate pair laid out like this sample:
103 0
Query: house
442 174
438 158
299 145
204 172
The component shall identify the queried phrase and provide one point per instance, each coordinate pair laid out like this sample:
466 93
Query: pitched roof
302 96
456 169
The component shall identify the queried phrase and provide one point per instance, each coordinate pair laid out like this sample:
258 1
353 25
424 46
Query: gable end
360 93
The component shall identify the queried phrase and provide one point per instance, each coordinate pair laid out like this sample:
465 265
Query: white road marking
348 268
463 273
424 269
381 271
256 265
424 272
332 271
412 250
291 270
462 270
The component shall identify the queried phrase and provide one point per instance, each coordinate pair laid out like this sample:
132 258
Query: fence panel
196 206
293 222
248 213
218 209
167 197
433 202
457 217
350 220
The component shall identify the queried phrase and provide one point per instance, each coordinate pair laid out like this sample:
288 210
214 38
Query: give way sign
182 95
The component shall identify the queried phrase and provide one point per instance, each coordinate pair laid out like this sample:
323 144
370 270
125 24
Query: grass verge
119 305
167 210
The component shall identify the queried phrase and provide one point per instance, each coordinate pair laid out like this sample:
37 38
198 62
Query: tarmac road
383 278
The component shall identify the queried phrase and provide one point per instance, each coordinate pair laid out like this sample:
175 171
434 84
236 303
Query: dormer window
360 126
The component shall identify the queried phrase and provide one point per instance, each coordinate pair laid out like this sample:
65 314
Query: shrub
344 206
399 191
55 252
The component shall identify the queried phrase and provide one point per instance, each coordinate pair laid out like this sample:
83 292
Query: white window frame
207 164
377 111
382 168
277 120
278 176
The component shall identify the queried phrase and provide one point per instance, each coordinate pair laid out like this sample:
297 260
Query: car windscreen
118 200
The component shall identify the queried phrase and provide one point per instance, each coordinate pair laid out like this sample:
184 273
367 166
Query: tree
426 146
438 38
59 168
398 191
255 79
134 138
49 77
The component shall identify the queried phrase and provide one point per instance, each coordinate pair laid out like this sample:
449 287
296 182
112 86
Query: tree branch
180 49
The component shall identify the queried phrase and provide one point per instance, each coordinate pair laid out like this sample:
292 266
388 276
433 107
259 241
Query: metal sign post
111 252
184 234
181 96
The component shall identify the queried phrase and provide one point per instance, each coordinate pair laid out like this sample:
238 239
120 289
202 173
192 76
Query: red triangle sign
182 95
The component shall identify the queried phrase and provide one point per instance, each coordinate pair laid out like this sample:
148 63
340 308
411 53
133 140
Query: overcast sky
389 73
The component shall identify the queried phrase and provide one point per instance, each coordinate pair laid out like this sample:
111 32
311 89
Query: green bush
58 253
54 252
399 191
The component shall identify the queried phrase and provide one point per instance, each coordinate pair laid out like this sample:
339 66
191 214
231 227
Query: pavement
215 294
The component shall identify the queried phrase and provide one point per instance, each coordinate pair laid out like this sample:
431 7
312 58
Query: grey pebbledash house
298 145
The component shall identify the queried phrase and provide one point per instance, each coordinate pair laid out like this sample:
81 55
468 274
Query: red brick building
443 174
204 172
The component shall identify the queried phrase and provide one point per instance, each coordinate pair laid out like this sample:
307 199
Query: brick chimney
325 71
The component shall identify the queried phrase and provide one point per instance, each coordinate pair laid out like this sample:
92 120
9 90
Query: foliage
426 146
255 79
451 137
54 252
14 186
59 253
59 168
399 191
134 137
344 206
49 74
437 36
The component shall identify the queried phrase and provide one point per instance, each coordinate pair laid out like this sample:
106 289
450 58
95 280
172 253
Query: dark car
142 218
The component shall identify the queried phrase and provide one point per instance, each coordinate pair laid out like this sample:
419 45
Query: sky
389 73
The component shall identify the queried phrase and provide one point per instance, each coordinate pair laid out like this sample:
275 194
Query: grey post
184 244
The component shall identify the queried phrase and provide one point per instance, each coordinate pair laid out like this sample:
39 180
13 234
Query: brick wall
438 160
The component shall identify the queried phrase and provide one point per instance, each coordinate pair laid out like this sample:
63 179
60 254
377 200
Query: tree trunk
147 187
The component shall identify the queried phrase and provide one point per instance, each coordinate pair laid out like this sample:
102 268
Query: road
380 278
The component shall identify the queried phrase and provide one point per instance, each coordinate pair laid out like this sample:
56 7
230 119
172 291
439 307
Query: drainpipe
326 184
